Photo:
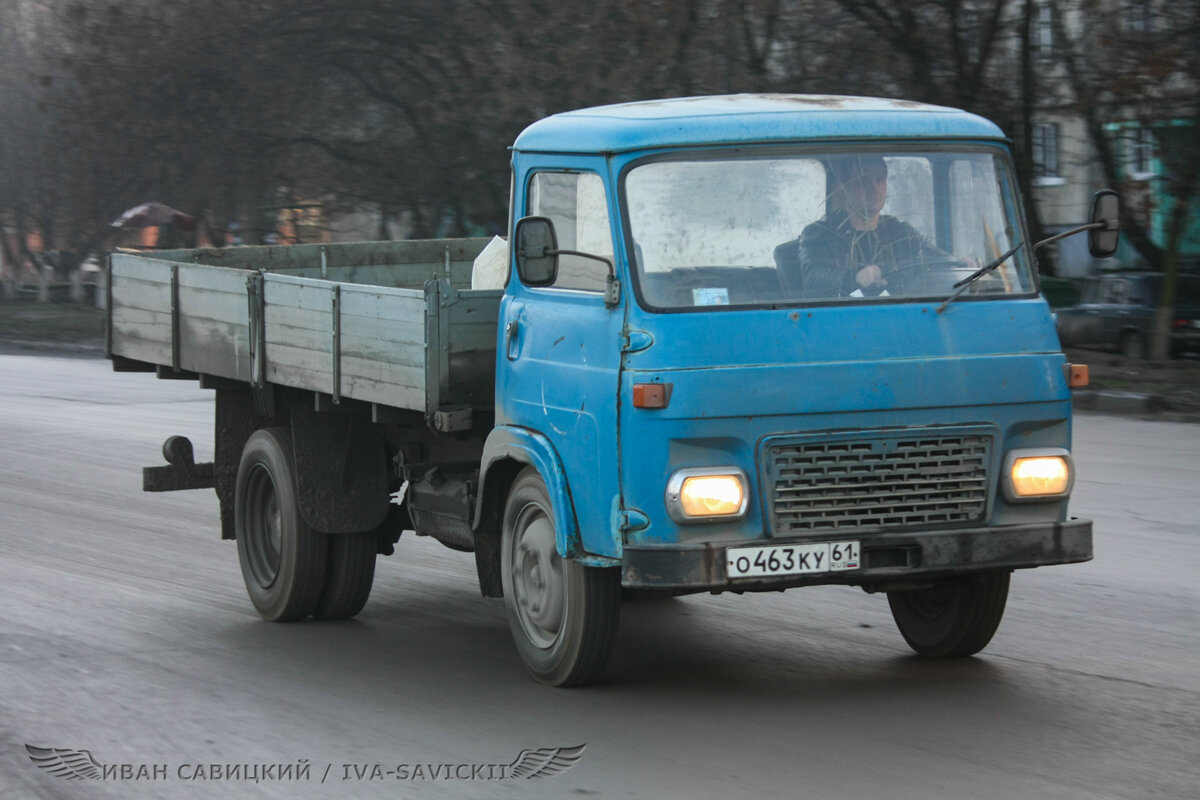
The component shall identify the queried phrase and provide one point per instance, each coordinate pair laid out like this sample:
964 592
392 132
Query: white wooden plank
140 316
140 268
223 363
369 391
203 276
281 318
306 296
321 365
398 304
367 347
198 334
128 343
227 307
370 381
142 294
281 325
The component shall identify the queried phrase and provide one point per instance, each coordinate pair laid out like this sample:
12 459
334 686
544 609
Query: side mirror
1106 211
536 251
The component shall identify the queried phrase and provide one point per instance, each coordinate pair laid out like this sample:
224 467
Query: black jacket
832 251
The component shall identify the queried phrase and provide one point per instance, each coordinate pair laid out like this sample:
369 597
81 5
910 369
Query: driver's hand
870 275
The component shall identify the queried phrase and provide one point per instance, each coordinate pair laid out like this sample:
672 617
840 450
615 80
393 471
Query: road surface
126 632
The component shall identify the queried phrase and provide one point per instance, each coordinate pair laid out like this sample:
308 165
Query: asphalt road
126 632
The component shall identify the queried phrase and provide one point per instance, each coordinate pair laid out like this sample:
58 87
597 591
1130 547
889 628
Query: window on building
1140 147
970 32
1045 150
1137 17
1043 33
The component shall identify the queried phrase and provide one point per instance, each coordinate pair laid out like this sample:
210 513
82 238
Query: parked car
1116 311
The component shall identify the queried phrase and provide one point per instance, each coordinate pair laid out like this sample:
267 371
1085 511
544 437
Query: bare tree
1138 63
228 108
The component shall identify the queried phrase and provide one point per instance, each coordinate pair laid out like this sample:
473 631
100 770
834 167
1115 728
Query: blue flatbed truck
656 396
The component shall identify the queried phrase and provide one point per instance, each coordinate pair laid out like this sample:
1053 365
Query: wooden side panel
214 327
382 337
141 309
373 347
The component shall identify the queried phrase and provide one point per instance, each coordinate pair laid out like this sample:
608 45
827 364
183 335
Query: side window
910 192
1116 292
575 201
1091 292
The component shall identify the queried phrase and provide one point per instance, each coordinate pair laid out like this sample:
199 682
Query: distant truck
660 395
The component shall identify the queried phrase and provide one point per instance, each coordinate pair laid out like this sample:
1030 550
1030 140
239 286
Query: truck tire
351 572
955 618
283 559
563 615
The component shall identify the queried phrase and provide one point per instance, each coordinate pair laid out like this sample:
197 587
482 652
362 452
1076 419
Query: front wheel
952 619
563 615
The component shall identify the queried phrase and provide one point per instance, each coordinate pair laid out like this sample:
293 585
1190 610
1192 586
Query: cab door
560 348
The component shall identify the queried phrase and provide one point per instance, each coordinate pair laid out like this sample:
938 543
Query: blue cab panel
697 204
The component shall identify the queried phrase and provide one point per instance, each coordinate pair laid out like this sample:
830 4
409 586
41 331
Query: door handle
511 341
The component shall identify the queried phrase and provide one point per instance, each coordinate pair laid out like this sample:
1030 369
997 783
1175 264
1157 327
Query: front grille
899 480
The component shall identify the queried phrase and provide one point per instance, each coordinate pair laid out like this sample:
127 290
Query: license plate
791 559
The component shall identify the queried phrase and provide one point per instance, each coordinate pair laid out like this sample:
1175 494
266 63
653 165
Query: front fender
525 446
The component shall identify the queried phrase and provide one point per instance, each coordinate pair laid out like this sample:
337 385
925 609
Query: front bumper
888 559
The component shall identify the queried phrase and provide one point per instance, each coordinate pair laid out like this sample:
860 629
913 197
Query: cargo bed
388 323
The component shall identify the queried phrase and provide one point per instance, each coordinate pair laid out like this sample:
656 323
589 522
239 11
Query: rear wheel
351 572
563 615
954 618
283 559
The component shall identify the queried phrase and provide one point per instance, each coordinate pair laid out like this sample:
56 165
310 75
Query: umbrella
152 214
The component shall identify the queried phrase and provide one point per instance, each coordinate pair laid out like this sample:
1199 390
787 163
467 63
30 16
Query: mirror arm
612 287
612 272
1091 226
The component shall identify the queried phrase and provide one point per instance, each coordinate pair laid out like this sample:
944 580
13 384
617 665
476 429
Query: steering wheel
934 275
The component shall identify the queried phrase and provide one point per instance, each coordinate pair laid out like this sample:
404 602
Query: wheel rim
264 528
539 586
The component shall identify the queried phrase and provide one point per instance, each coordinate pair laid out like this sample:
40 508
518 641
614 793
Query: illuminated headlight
1038 475
707 494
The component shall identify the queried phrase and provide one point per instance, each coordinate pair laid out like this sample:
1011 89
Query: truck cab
712 396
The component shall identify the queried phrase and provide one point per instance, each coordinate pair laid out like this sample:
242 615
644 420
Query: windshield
853 226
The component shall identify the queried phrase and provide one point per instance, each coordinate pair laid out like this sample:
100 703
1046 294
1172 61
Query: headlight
1038 475
706 494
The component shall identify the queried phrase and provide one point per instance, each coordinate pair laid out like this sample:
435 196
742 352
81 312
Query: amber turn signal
651 395
1077 375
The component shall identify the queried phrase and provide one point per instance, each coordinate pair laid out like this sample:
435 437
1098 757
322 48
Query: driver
854 248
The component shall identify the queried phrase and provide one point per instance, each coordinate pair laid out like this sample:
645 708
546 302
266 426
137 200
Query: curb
1147 406
29 347
1110 402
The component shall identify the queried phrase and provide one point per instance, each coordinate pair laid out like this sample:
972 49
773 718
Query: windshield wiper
966 282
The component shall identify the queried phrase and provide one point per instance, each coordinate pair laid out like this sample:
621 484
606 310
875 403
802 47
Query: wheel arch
340 460
507 451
